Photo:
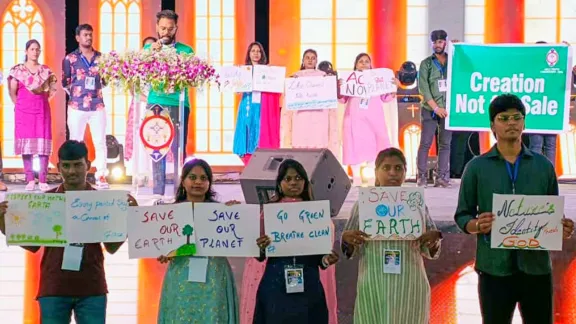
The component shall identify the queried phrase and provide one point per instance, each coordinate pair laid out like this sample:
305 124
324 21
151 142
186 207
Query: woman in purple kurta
31 85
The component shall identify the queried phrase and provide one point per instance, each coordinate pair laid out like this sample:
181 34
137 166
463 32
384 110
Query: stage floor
441 201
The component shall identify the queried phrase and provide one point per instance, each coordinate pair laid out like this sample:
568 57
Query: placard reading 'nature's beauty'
96 216
310 93
368 83
539 74
161 230
36 219
392 213
527 222
235 78
228 231
299 228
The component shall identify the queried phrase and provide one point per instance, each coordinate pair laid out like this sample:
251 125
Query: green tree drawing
58 230
187 230
36 238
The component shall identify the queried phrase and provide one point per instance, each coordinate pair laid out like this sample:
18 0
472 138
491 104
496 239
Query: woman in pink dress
31 85
364 132
301 129
258 122
311 128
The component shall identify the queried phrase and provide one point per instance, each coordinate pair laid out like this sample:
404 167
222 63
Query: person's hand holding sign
568 228
354 238
484 223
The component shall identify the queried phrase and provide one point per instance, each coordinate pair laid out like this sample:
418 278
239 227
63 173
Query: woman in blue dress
213 301
274 304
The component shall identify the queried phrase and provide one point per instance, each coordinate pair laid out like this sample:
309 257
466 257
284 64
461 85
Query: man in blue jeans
432 87
72 278
544 144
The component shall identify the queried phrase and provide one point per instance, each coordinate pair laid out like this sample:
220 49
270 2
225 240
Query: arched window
336 29
21 22
417 42
119 30
215 116
474 21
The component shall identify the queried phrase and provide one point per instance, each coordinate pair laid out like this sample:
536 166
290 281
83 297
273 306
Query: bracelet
477 226
435 109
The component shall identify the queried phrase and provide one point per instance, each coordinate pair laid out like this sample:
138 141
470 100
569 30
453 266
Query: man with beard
432 86
167 27
81 81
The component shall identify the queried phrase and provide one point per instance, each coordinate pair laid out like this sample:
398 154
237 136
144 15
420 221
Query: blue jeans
159 168
544 144
87 310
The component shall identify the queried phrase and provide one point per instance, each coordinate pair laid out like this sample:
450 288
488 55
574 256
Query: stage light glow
367 173
117 173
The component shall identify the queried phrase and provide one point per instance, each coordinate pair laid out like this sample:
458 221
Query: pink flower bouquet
163 71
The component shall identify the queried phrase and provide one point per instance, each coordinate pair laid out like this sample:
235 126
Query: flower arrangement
164 71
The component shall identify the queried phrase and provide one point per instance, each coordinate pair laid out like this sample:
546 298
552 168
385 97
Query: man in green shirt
508 277
432 86
167 27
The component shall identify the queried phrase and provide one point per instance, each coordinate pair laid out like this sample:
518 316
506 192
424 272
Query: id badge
197 269
72 258
256 97
393 261
364 102
442 85
90 83
294 278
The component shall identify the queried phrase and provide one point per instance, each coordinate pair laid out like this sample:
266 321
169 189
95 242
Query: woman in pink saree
301 129
31 85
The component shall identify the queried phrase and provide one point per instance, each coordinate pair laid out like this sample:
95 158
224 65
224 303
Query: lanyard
439 67
88 64
513 174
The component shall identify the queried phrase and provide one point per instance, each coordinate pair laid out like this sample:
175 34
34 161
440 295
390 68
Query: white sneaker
30 186
101 183
44 187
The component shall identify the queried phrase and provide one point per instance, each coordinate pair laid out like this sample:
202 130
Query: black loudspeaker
328 179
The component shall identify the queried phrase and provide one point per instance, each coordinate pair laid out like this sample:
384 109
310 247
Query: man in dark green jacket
432 86
508 277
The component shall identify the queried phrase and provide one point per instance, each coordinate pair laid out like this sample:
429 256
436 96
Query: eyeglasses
506 118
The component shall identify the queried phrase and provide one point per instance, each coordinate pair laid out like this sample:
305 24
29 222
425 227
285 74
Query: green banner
540 75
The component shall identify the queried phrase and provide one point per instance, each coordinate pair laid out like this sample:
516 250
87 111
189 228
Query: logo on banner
157 132
552 57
